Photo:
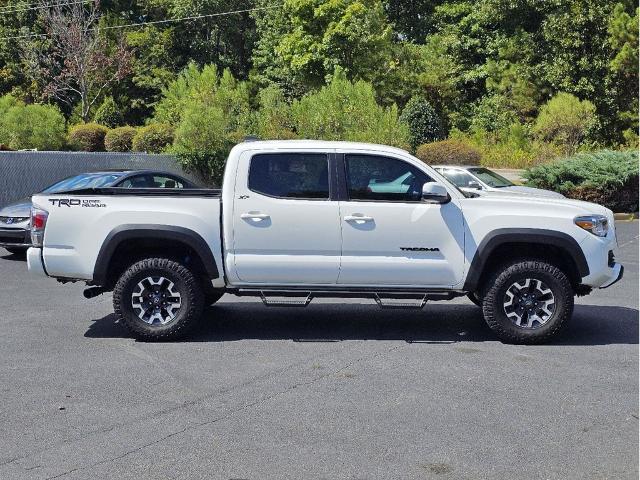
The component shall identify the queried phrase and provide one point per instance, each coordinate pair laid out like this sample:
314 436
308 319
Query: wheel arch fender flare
130 232
537 236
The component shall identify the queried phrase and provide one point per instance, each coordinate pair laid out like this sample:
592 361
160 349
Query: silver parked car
474 178
15 231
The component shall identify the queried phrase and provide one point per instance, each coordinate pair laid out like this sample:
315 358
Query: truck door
286 228
389 235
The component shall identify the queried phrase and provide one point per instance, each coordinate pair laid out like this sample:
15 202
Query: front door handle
358 218
254 216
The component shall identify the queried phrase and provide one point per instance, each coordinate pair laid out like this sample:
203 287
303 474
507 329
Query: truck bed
97 214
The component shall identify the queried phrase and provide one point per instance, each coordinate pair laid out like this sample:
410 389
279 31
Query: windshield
490 178
85 180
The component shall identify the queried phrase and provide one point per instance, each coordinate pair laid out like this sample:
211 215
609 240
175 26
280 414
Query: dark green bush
207 165
87 137
120 139
451 152
108 113
154 138
609 178
424 122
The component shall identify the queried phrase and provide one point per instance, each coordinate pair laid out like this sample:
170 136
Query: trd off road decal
76 202
420 249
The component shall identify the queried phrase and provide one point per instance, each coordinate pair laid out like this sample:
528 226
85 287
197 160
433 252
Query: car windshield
85 180
490 178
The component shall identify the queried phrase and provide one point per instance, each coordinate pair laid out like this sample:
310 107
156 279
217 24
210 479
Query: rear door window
290 175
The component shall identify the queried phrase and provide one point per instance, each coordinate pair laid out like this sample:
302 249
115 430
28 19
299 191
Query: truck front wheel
528 302
158 299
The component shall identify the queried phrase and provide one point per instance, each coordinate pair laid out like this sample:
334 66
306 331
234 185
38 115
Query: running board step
401 302
285 301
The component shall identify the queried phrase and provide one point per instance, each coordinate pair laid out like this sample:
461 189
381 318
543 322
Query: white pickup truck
296 220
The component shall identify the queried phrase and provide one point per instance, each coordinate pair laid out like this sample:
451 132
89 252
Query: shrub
344 110
273 119
108 113
423 121
565 120
452 151
211 123
87 137
120 139
154 138
609 178
30 126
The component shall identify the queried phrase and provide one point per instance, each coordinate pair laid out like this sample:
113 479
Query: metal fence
25 173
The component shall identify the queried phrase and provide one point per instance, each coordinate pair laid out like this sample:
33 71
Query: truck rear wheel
528 302
158 299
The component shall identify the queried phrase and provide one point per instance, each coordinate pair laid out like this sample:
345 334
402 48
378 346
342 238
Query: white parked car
297 220
474 178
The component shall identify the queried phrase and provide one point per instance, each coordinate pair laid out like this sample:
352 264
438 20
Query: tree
75 62
345 110
301 44
30 126
425 125
565 120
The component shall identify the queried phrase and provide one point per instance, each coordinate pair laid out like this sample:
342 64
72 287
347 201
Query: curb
625 216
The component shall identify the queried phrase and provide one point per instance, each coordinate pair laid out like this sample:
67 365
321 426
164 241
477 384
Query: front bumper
617 276
34 262
15 237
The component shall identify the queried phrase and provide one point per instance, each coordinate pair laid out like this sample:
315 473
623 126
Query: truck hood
546 202
21 208
532 191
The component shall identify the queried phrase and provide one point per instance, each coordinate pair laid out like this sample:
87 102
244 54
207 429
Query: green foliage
87 137
448 152
312 37
424 122
565 120
213 113
120 139
108 113
30 126
345 110
607 177
153 138
274 119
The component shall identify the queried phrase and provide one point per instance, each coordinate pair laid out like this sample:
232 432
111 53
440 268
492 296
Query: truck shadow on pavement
227 322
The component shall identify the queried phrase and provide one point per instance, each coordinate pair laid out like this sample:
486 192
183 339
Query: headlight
596 224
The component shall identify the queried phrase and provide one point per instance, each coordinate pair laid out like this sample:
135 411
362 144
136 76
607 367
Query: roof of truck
314 144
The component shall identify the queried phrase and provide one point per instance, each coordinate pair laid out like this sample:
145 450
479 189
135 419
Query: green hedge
448 152
120 139
87 137
154 138
607 177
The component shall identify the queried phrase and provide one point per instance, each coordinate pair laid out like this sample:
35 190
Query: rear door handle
254 216
358 218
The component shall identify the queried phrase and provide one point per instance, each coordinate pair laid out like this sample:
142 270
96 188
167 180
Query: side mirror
474 185
433 192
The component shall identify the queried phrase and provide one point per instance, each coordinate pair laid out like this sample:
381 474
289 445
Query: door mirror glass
474 185
433 192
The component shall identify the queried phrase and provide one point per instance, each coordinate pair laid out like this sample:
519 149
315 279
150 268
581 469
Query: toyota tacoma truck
298 220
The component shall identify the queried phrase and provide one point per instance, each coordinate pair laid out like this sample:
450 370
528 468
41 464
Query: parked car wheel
158 299
529 301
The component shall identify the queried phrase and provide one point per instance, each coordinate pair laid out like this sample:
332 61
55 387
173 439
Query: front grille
17 237
13 220
612 259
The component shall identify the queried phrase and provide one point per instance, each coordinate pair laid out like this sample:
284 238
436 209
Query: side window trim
330 169
343 186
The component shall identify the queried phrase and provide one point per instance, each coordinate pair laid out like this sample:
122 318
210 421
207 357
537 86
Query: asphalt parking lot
337 391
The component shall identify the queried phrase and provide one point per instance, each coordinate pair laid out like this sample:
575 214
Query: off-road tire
504 276
473 296
185 282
